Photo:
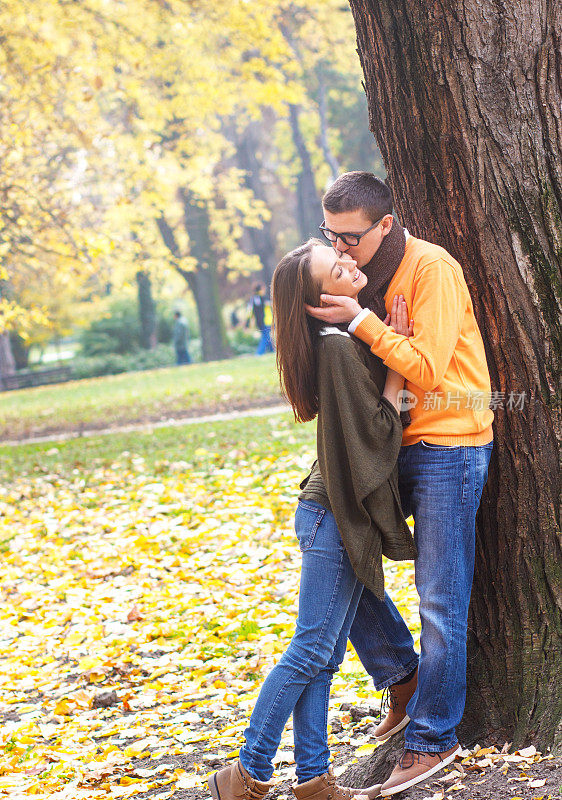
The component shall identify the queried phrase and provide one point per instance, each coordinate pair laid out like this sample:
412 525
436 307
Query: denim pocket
307 521
483 456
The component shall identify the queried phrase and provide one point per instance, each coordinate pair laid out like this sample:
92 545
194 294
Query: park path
260 411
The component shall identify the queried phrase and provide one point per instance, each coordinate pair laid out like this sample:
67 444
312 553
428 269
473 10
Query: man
180 335
443 463
261 310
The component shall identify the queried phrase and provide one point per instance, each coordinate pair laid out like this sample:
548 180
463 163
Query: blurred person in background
260 309
180 337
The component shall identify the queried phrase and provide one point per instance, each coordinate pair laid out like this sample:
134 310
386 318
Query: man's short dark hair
354 191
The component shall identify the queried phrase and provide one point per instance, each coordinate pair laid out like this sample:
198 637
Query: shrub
165 328
243 341
115 363
117 332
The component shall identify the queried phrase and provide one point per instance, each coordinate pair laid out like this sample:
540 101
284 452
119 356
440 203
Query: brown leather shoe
415 767
399 696
324 787
236 783
369 792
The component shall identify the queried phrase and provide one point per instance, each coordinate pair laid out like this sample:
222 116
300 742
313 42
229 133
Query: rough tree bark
465 104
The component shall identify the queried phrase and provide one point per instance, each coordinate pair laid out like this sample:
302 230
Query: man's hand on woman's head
398 317
338 308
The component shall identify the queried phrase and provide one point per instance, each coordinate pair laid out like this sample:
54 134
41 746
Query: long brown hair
295 331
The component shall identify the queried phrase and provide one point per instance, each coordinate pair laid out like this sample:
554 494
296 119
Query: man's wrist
358 319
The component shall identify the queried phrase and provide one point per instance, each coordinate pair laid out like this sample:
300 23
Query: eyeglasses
350 239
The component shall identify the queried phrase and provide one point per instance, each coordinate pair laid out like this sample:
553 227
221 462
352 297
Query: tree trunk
204 286
20 350
7 362
465 102
147 311
202 281
331 160
262 239
309 206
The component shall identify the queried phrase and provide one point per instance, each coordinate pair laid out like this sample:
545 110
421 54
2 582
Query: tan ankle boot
399 696
324 787
236 783
415 767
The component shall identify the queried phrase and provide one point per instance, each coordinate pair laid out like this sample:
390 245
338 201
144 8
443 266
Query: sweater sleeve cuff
358 319
369 327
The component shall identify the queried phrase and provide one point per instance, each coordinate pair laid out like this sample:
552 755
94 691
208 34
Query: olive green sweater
359 435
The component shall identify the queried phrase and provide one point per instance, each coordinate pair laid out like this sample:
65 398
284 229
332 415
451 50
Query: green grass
138 396
207 446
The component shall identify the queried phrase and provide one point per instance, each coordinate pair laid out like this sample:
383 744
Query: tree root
376 767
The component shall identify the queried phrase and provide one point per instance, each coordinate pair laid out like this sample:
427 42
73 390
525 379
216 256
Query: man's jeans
441 486
300 682
182 355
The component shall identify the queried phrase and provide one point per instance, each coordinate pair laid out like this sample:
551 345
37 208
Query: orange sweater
444 362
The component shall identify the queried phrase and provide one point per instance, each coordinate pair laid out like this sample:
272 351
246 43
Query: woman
348 515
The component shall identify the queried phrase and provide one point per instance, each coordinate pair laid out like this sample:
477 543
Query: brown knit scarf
380 271
381 268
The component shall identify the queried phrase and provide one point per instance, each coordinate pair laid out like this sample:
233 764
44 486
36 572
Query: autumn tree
289 152
110 110
320 38
204 67
250 145
46 244
203 280
464 101
113 112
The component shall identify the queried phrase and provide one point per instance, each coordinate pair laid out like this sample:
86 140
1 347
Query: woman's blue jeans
441 487
300 682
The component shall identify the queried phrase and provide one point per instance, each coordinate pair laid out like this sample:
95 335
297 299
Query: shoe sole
214 789
392 731
369 792
419 778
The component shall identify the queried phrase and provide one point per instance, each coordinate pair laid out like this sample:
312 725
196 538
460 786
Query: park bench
38 377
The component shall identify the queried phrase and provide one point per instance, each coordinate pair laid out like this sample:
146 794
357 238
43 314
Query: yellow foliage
116 583
109 109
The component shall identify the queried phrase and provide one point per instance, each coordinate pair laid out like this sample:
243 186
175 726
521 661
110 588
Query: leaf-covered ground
143 602
148 585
